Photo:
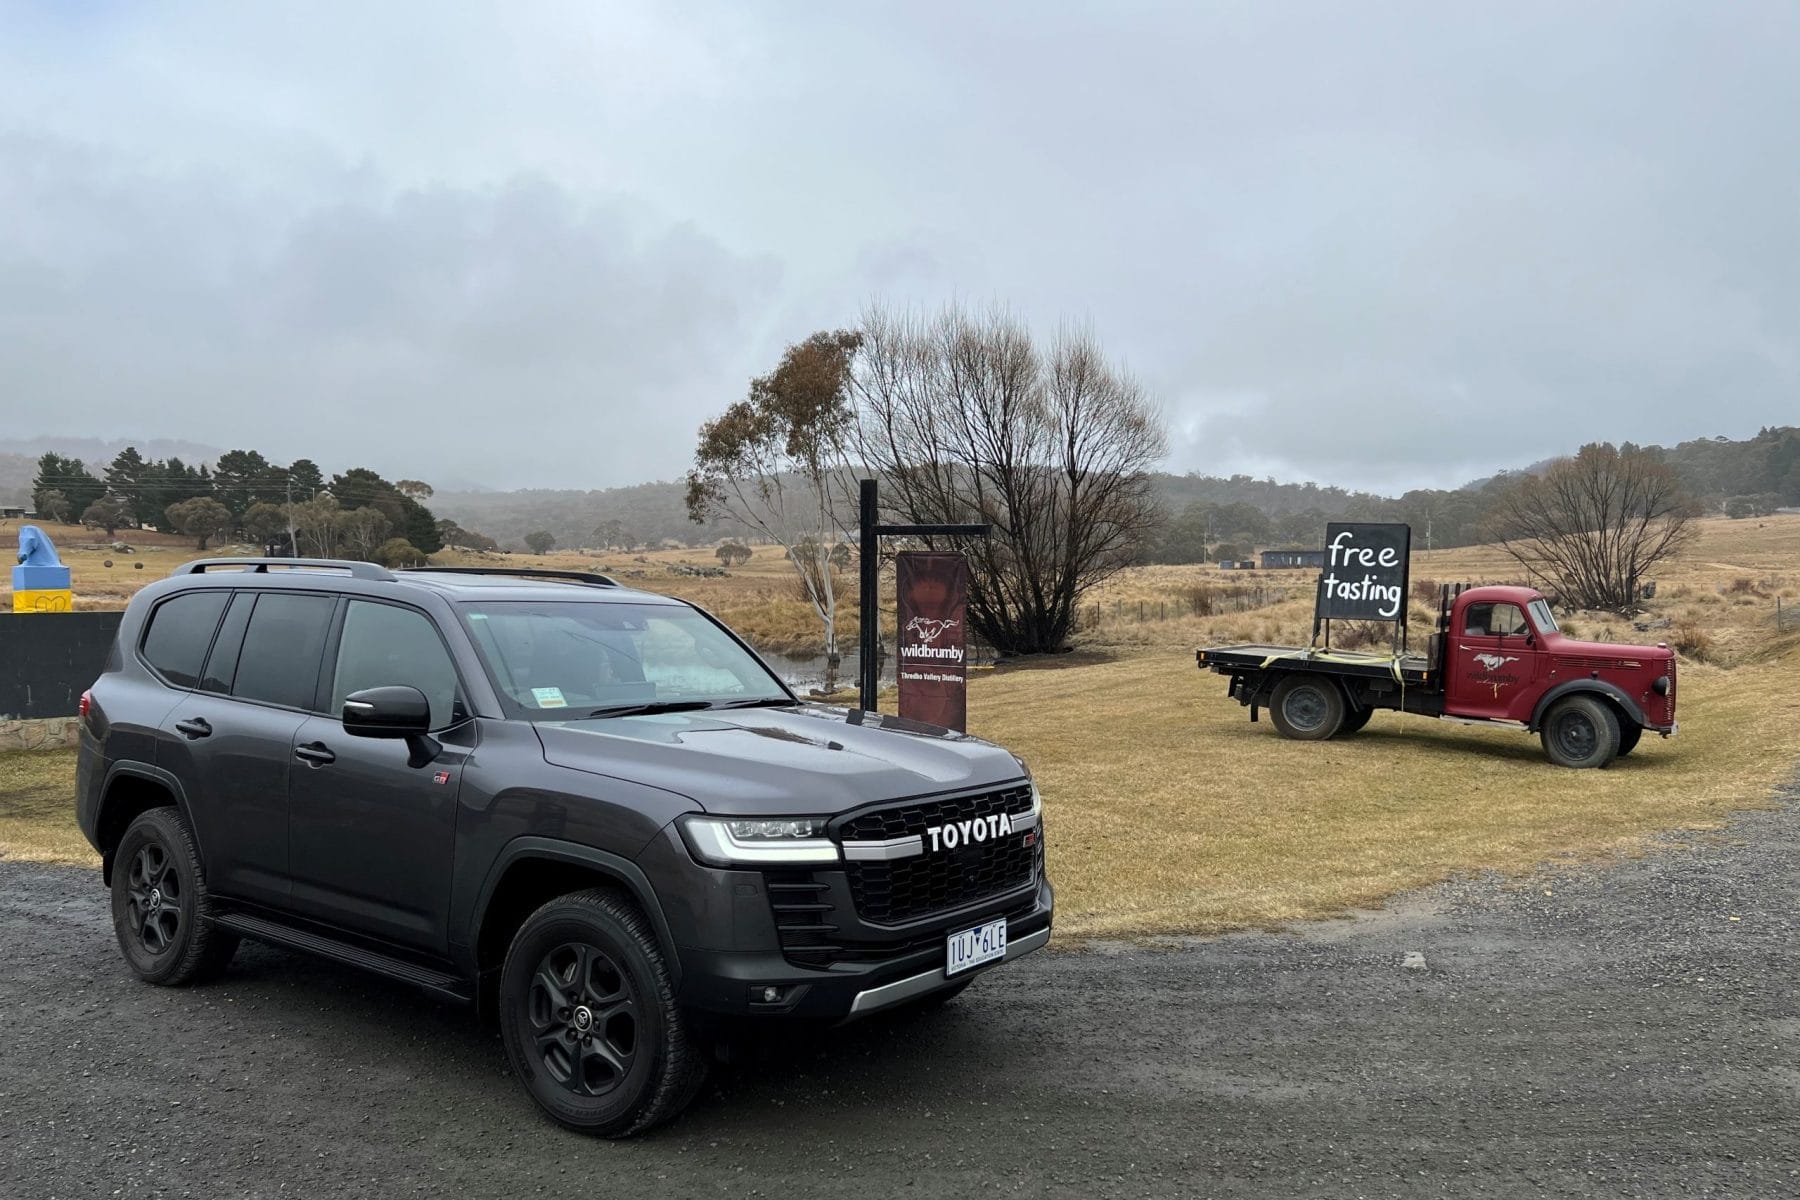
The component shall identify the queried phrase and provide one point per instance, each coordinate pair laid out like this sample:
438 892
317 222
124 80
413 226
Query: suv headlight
759 841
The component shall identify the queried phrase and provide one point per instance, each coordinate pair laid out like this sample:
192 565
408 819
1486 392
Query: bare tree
771 460
313 525
361 531
966 418
1591 526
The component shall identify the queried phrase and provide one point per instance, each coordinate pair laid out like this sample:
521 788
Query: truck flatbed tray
1412 668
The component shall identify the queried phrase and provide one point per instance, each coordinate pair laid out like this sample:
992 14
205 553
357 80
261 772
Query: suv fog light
767 993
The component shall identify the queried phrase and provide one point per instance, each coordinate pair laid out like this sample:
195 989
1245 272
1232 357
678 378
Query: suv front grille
905 889
812 918
905 820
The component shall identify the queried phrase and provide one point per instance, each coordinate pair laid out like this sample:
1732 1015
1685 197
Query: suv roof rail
591 578
356 570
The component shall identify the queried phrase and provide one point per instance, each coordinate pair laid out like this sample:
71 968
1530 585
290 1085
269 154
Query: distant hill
1221 509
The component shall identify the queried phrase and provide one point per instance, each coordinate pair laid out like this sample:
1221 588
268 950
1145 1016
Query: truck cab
1502 658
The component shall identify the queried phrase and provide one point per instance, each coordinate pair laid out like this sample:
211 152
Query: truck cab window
1495 620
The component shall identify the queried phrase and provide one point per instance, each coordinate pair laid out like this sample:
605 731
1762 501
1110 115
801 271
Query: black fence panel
48 659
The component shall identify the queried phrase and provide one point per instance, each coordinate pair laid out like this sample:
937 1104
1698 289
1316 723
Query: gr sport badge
441 777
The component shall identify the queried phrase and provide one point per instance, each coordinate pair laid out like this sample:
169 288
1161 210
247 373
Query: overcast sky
1380 245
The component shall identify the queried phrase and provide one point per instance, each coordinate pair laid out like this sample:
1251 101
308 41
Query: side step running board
449 987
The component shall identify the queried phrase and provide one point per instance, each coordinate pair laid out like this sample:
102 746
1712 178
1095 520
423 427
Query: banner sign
1366 573
933 659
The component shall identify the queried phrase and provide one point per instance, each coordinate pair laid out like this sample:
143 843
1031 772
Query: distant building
1278 560
16 514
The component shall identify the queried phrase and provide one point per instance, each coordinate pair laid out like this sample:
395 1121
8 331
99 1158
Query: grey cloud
514 334
1380 246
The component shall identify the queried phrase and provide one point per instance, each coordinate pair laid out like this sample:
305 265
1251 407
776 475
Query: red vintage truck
1497 658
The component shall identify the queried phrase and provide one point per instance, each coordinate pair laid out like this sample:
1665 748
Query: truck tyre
1581 731
1308 708
161 911
588 1015
1354 719
1628 737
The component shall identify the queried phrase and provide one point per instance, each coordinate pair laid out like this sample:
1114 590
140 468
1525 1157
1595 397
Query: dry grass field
1170 813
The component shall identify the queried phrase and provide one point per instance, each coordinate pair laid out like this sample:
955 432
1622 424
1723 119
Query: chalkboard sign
1365 575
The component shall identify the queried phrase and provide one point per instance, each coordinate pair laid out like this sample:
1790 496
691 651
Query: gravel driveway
1625 1031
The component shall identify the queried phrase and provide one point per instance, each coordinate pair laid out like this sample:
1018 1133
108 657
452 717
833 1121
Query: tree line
290 510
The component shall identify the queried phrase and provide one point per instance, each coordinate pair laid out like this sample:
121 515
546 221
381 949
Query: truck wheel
1581 732
1308 708
1628 737
588 1015
1354 719
161 911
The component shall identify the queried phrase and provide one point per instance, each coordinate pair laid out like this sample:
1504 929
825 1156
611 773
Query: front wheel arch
531 871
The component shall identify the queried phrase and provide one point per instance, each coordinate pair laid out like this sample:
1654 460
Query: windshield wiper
649 706
762 702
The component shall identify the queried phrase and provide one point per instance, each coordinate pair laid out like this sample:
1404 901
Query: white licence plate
972 947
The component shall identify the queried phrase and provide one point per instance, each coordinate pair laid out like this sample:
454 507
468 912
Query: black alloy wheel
589 1018
153 887
161 910
584 1019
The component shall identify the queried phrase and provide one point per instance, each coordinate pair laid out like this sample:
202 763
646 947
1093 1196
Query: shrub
1358 635
398 552
1691 640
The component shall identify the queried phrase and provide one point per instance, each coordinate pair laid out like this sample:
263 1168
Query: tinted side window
221 664
180 630
282 648
383 645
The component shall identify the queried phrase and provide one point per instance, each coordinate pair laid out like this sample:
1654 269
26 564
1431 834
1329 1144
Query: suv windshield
553 656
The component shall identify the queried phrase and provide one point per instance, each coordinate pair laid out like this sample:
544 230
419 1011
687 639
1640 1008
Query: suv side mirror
387 712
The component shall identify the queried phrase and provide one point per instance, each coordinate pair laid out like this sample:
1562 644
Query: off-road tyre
1354 720
1581 732
1307 708
161 910
1629 735
589 1019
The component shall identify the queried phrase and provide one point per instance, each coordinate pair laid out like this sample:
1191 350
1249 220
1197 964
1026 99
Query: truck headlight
759 841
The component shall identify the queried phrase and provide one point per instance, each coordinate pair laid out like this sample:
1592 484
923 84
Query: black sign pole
869 560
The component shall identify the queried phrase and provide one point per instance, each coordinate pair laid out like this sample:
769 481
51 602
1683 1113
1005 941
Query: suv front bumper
730 951
732 982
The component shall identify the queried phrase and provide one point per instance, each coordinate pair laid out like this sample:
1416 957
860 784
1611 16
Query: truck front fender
1593 687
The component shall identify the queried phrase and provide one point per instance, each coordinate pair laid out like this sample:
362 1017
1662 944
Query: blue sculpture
40 581
36 548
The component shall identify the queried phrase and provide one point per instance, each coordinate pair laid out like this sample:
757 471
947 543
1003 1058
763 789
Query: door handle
316 753
194 728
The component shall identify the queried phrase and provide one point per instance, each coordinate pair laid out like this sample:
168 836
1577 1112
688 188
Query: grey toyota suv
594 812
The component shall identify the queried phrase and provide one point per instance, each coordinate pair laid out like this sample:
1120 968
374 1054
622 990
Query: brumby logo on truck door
952 834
